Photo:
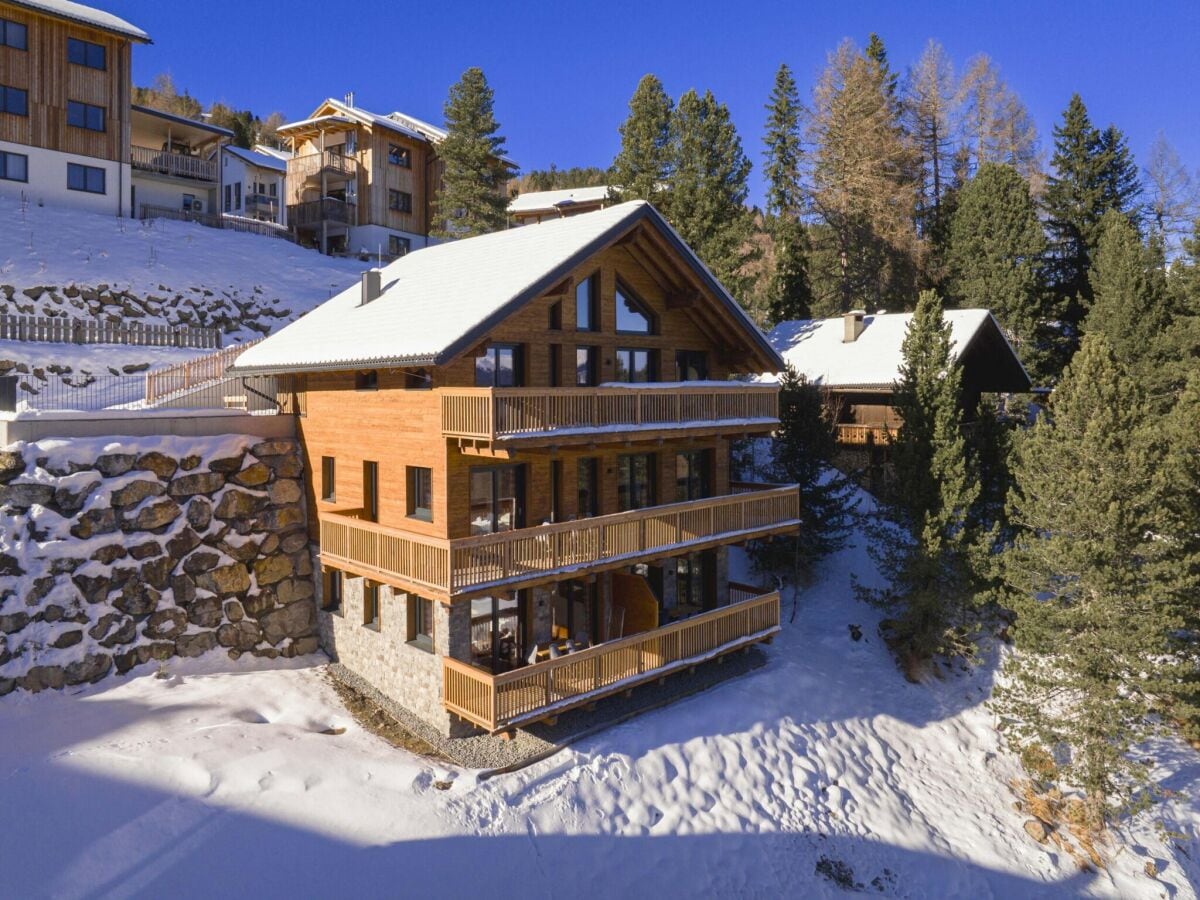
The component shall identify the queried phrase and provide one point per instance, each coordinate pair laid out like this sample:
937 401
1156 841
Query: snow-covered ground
217 781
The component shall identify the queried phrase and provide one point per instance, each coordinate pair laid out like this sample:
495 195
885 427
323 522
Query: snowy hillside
823 769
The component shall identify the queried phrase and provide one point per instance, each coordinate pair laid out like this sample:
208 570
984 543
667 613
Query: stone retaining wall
118 551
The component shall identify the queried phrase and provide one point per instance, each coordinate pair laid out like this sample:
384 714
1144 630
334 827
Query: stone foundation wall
118 551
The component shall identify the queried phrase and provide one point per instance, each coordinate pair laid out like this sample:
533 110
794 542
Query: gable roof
85 15
536 201
262 160
815 349
439 301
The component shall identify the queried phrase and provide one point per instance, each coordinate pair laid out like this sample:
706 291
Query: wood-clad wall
51 81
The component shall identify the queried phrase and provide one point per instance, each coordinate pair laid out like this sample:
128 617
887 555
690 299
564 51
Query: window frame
623 291
651 365
587 467
5 155
372 617
370 494
402 156
87 48
415 477
399 201
87 171
592 283
332 590
421 623
399 245
328 479
88 110
518 364
628 486
700 474
521 490
591 374
686 359
5 91
5 26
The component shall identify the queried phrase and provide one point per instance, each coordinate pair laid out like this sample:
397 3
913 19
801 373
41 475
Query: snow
217 781
534 201
77 12
256 158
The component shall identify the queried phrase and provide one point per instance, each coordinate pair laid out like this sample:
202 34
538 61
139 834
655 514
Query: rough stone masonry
118 551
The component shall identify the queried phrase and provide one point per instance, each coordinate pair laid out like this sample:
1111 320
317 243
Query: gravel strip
538 741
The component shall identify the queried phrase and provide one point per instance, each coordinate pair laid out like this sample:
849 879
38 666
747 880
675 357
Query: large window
691 365
587 366
575 613
420 622
85 53
501 365
693 475
633 316
696 582
13 34
400 201
636 365
588 486
398 245
420 493
328 491
635 481
85 178
14 101
587 309
85 115
499 626
14 166
399 156
370 510
497 499
371 616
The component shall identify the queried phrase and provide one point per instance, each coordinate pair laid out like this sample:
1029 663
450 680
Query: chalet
517 450
360 182
546 206
65 115
857 357
254 184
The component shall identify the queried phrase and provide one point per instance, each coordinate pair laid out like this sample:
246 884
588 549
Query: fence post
8 393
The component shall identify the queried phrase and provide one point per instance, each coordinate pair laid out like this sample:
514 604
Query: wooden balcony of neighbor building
312 213
464 567
498 702
262 203
175 165
310 167
861 435
592 414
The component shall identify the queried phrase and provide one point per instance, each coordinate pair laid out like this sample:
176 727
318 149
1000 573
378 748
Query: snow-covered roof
347 114
268 150
817 349
85 15
536 201
436 302
432 132
262 160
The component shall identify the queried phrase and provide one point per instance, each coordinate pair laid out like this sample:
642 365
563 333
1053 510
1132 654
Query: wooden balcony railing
499 702
861 434
511 413
174 164
463 566
312 165
313 212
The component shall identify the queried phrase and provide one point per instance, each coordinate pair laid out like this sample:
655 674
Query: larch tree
928 107
643 165
1085 576
471 200
789 294
994 122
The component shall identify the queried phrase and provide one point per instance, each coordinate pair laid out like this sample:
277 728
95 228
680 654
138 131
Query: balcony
583 415
174 165
464 567
263 204
544 689
312 166
862 435
313 212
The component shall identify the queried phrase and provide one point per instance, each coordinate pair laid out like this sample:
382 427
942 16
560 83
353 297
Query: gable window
85 53
501 365
420 493
397 245
399 156
13 34
693 475
85 115
400 201
370 604
633 317
85 178
366 381
328 491
636 365
587 485
691 365
587 312
635 481
370 510
14 101
14 166
420 622
331 590
497 501
587 366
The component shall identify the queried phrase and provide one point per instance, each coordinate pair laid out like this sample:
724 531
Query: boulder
226 465
205 612
288 466
195 644
294 542
94 588
10 566
197 483
1036 829
281 519
68 639
71 501
297 619
199 513
145 550
111 465
284 491
255 475
271 569
94 522
12 464
155 516
166 624
63 565
136 491
270 545
244 551
7 686
272 448
137 598
305 645
125 633
244 635
158 463
225 580
55 613
134 657
258 605
162 650
41 587
41 677
157 572
183 589
237 504
13 622
24 495
189 462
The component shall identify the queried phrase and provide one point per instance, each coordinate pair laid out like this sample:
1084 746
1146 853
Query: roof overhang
309 128
101 21
190 127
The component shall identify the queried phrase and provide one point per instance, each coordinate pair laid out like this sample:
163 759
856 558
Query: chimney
349 98
853 324
372 283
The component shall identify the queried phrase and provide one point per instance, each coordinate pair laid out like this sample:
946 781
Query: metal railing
66 330
177 165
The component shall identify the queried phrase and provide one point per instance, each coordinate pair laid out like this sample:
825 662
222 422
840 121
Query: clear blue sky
563 71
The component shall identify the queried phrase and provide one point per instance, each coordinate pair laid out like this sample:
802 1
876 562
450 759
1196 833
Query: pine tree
471 200
802 453
1085 574
708 187
789 295
643 164
923 538
995 256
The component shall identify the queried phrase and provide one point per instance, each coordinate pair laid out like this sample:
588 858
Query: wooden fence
65 330
217 220
192 372
497 702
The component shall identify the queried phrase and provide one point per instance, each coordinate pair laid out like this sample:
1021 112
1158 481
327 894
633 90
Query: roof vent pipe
853 324
372 285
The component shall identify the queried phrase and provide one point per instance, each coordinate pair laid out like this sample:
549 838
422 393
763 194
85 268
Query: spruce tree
995 255
1085 574
471 200
708 188
789 295
802 453
924 535
643 164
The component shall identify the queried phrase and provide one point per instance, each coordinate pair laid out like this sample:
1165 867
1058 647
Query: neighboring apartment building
175 169
254 184
546 206
65 117
359 182
517 453
858 358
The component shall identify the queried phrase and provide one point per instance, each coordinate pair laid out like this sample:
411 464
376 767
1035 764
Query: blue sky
563 72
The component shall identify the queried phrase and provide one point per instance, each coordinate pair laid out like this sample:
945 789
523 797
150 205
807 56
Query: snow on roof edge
85 15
